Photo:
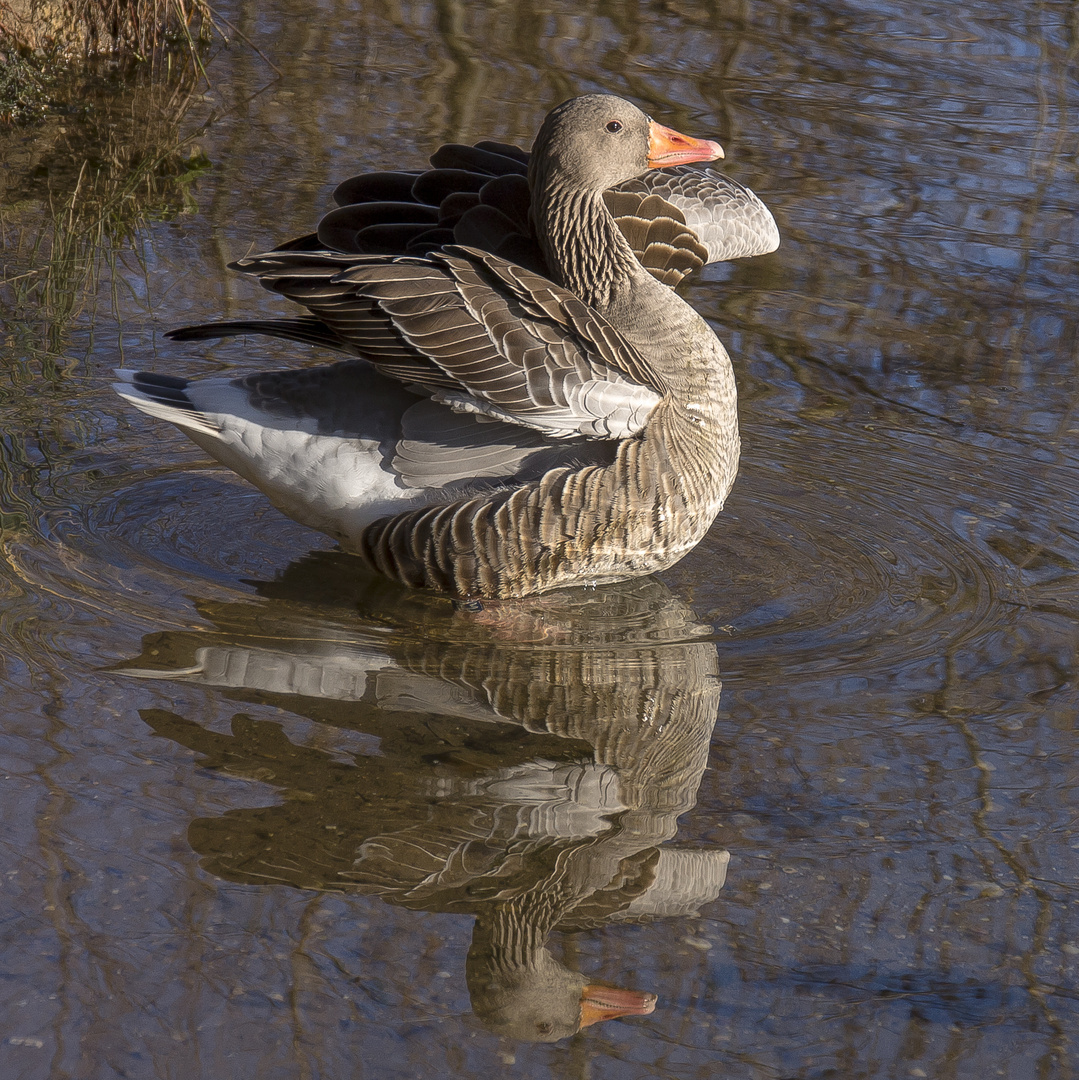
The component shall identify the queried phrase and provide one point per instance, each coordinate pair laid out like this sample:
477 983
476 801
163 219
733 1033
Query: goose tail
163 396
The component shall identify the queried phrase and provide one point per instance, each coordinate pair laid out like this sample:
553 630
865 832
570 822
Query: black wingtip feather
308 330
167 389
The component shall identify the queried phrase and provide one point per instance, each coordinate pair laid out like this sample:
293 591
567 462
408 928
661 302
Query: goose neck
583 245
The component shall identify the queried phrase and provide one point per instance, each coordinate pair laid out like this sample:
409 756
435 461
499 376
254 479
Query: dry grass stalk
71 29
126 164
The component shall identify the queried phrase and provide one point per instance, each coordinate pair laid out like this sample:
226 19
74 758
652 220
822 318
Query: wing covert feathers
481 334
727 218
657 231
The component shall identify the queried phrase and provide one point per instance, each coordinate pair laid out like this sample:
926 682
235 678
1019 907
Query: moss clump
24 88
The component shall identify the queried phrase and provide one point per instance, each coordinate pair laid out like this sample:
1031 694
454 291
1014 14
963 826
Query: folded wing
470 330
727 218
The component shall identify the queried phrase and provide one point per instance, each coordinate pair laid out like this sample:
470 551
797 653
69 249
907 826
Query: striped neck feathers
583 245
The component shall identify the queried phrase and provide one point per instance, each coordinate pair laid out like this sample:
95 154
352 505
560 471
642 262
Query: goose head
597 141
586 146
538 1000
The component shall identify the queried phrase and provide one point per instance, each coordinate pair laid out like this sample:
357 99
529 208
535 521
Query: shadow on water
531 766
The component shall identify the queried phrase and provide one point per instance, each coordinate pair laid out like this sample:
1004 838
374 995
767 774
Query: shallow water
220 738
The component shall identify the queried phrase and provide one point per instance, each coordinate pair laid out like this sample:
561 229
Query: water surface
815 788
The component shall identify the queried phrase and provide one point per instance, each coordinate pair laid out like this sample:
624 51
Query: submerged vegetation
82 188
24 89
98 138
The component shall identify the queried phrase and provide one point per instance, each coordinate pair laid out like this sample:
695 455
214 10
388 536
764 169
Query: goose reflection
531 776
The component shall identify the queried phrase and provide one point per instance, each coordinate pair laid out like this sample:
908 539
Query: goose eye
614 126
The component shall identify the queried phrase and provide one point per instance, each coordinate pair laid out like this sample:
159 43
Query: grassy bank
99 117
75 29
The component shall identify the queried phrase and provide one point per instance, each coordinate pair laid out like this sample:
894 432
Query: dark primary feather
676 220
310 331
478 159
394 186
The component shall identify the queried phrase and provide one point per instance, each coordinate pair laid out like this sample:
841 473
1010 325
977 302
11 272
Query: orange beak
669 147
607 1002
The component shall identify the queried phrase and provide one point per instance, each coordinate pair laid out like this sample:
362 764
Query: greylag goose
499 432
537 789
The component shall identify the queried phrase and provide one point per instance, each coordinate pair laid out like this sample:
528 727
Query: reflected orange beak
669 147
607 1002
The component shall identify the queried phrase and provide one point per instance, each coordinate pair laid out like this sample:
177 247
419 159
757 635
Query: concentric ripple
845 545
870 547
